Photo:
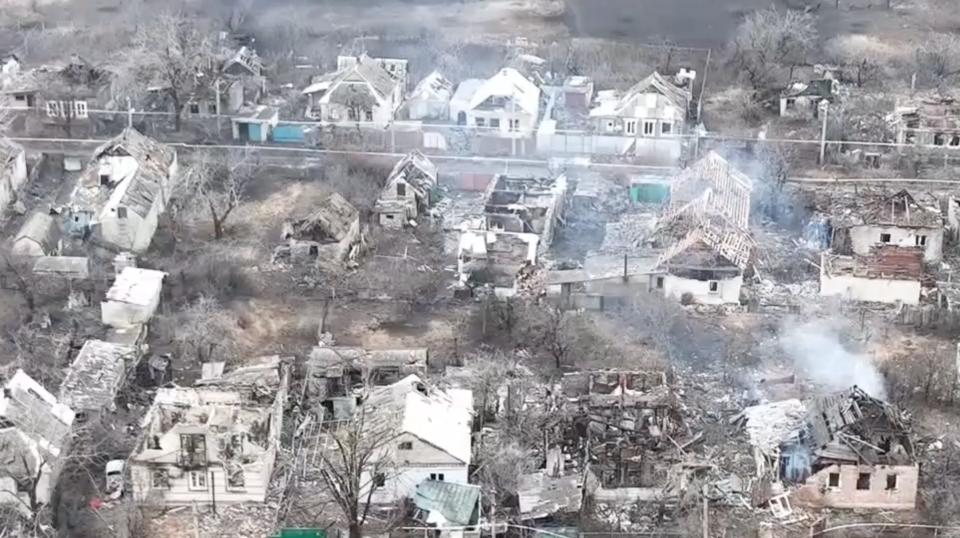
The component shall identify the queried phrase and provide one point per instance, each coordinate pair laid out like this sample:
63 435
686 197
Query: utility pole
213 493
824 110
129 113
216 86
706 513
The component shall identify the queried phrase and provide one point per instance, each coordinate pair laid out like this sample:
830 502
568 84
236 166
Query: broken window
659 282
401 189
194 108
495 123
666 128
368 115
514 125
631 126
648 128
314 250
436 476
198 480
863 481
884 238
955 141
379 480
939 139
153 442
160 479
104 179
872 160
235 479
193 449
920 240
481 122
833 480
406 445
891 482
121 212
714 286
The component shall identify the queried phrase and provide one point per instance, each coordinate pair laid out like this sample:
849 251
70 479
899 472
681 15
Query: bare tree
938 57
219 185
174 53
356 459
205 330
769 41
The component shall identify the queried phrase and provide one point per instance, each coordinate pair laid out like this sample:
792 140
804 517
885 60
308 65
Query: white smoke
817 354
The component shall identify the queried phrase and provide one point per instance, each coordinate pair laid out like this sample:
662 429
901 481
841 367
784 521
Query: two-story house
506 104
651 113
407 193
123 191
361 91
219 443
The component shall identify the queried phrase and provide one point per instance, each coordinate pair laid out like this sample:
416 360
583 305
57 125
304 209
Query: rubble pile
630 232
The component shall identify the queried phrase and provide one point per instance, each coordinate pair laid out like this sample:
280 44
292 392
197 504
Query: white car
114 469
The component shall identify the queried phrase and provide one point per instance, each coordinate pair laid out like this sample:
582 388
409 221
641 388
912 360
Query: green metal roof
456 502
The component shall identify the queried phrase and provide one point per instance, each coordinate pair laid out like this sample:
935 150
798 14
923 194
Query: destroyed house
852 451
203 444
96 376
624 421
802 99
330 234
861 220
429 431
931 120
889 274
34 440
336 373
407 194
430 99
123 191
520 217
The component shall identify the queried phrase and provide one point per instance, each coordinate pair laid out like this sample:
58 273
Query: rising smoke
818 355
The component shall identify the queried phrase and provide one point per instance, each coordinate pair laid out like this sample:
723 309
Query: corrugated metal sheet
287 133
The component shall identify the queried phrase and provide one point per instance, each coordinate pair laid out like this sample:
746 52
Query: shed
96 376
39 236
255 123
73 267
133 298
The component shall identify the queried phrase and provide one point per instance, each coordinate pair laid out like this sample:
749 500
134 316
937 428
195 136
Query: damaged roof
9 150
30 408
457 503
366 71
96 375
611 104
136 286
883 262
880 207
433 86
508 83
335 216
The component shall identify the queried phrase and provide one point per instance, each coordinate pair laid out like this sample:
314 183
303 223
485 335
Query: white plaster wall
256 481
728 292
862 238
817 492
527 122
403 482
122 315
12 179
870 289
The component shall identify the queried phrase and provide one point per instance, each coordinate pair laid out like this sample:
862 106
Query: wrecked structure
860 220
119 198
133 298
845 450
520 217
96 376
408 192
13 172
336 375
218 443
889 274
705 232
34 441
802 100
329 235
928 120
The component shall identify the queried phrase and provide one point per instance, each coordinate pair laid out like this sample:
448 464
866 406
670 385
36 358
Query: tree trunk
217 226
356 531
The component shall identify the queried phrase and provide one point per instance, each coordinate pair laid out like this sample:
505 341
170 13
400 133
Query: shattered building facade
705 231
96 376
845 450
520 217
889 274
329 235
929 120
206 443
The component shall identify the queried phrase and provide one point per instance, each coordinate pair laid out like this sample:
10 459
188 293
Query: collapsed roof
879 207
332 221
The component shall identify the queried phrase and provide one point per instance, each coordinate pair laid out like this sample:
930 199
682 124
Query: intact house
928 120
360 91
335 374
206 444
34 441
859 221
430 99
506 104
96 376
13 172
407 194
62 95
133 298
802 99
846 450
705 234
651 114
889 274
424 434
39 235
119 198
520 217
330 235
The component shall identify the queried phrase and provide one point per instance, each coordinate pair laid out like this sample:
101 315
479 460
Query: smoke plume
817 354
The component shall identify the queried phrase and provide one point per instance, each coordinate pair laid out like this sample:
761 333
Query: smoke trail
818 355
